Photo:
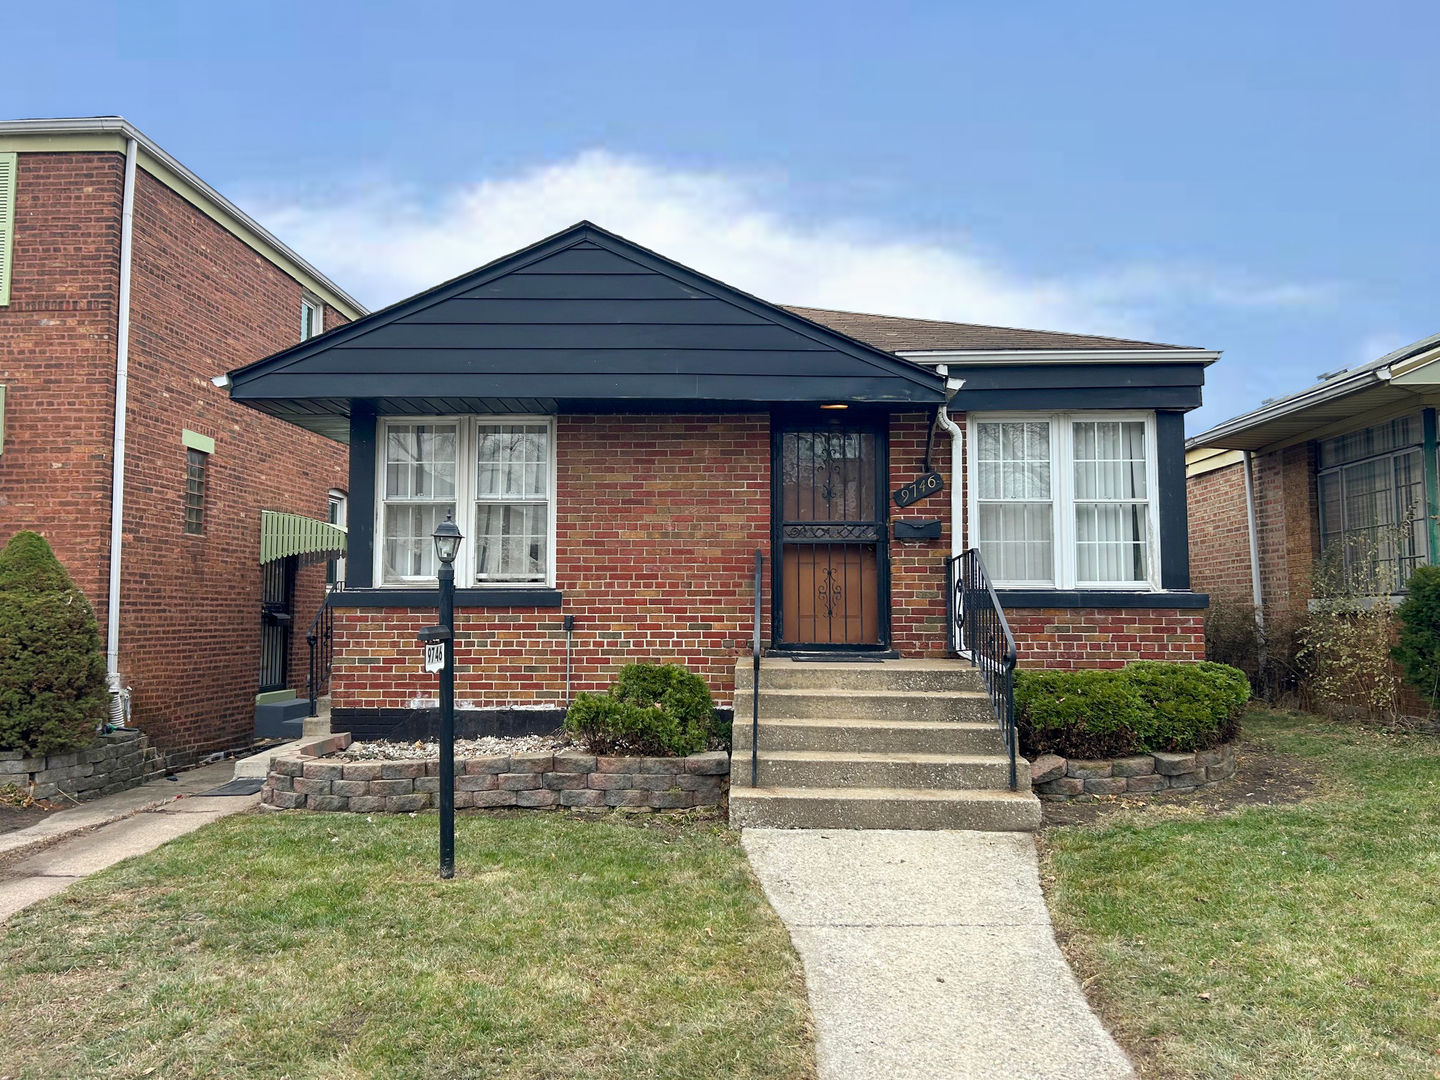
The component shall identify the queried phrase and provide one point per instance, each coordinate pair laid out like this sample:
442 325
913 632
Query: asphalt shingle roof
896 334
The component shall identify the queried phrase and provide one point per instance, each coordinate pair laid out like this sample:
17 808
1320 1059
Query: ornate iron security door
277 613
830 507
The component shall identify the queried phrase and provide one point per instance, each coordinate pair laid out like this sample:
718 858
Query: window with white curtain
497 479
1066 500
418 493
1014 500
512 502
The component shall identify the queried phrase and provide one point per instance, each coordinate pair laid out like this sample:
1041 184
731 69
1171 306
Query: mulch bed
1262 778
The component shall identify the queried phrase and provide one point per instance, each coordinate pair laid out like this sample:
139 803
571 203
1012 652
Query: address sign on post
435 656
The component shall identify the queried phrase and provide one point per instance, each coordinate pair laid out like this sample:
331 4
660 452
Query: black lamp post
447 545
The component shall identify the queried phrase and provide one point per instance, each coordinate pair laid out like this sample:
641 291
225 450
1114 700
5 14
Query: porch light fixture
447 540
835 405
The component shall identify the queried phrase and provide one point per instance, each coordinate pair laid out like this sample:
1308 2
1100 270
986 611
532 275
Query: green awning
282 535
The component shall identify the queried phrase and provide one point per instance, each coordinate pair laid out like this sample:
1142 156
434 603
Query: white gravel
490 744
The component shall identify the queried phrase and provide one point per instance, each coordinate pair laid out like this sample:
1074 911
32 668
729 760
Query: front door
277 613
830 509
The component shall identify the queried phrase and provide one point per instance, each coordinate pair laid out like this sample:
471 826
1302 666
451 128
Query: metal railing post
755 680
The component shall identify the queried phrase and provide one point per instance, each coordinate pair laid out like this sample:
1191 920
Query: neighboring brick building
208 290
1343 476
617 435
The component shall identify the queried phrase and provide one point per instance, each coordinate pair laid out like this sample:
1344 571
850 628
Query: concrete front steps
898 744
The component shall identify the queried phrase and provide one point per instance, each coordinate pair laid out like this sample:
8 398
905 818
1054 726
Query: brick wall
917 568
1220 535
1105 637
202 302
658 519
57 360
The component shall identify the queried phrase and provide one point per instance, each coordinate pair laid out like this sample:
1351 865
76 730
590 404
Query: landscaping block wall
114 762
543 780
1058 779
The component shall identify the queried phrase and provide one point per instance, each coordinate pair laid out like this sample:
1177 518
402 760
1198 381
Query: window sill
419 596
1098 598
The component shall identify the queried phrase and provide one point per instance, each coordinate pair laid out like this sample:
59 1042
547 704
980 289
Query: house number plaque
930 484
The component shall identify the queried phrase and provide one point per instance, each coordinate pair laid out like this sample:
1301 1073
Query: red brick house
126 286
1344 470
616 435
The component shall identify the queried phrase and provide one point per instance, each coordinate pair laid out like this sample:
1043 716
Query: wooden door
831 506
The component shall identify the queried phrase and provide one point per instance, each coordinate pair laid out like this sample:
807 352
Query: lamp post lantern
447 545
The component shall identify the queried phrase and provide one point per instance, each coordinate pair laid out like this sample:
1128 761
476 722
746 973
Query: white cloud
383 247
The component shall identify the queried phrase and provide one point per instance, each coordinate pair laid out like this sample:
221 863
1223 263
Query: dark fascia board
583 231
1098 598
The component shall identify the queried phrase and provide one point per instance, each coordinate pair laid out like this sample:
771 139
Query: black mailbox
917 530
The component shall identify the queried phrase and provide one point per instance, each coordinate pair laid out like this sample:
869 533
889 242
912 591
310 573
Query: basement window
195 464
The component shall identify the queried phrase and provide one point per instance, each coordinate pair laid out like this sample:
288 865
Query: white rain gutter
957 471
117 452
1257 592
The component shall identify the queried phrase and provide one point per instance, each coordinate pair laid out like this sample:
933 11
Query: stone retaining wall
536 780
114 762
1057 779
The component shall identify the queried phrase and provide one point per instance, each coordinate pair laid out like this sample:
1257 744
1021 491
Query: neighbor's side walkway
930 955
70 844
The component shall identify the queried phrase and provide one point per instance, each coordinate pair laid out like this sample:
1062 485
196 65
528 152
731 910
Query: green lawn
324 945
1298 940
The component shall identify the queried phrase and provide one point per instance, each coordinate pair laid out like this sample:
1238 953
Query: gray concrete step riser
947 738
803 706
755 810
925 775
861 677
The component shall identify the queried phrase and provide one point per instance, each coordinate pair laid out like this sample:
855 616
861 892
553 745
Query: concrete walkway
930 955
47 857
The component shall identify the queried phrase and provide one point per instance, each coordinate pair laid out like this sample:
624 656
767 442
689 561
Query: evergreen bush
658 710
52 673
1085 713
1418 652
1145 707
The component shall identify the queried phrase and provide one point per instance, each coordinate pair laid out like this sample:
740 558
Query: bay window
1066 500
502 473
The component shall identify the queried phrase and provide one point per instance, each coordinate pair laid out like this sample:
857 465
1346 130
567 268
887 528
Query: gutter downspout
119 704
957 472
1256 590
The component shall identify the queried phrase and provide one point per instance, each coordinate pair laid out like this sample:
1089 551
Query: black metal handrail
755 681
321 639
976 628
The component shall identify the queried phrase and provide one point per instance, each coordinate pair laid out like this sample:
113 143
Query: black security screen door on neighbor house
277 613
830 507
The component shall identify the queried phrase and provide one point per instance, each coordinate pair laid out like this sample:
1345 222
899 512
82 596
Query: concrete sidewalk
930 955
69 844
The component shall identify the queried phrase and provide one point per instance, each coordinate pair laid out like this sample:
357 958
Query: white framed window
496 475
1066 500
339 516
312 318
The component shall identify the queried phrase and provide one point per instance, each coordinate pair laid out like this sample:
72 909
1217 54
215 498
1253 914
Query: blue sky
1253 177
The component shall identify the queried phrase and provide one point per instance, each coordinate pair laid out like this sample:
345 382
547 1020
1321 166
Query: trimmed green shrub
659 710
1192 706
1147 706
1085 713
52 673
1418 653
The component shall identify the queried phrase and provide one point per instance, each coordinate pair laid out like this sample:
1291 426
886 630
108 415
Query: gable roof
904 335
583 319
